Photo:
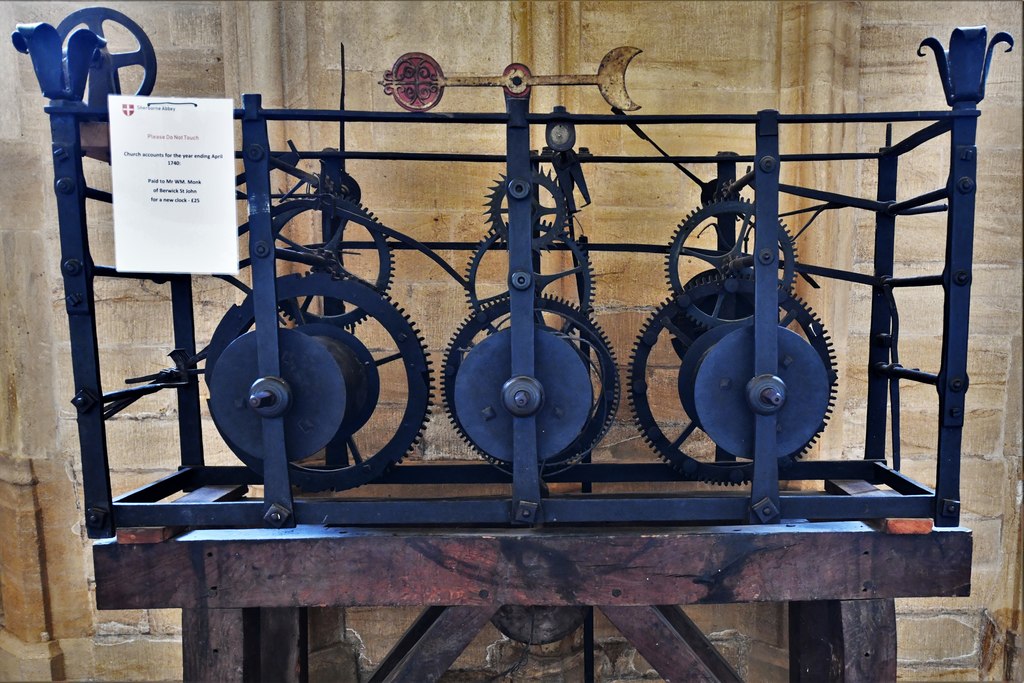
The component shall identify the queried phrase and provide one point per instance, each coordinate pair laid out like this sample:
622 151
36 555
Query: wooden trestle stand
245 592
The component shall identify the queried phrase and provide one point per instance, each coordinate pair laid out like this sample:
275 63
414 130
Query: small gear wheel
721 233
548 207
575 372
337 433
487 273
707 371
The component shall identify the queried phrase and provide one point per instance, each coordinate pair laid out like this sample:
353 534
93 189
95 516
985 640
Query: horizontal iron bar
936 208
836 274
163 487
501 246
915 281
857 507
897 371
899 208
586 159
900 482
99 195
833 198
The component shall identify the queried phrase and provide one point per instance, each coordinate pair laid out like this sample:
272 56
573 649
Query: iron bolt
967 154
275 517
616 592
95 517
72 266
488 413
525 512
951 507
518 188
962 277
765 256
770 396
766 510
767 164
521 398
254 152
261 249
724 383
75 298
65 185
956 384
60 153
262 398
484 593
956 412
521 280
965 185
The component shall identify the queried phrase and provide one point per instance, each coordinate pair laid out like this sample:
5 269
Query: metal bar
278 495
836 274
522 291
334 115
900 482
897 371
914 140
881 318
898 208
161 488
470 157
834 198
764 489
953 381
76 268
916 281
190 434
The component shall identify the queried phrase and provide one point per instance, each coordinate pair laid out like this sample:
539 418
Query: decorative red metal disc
415 81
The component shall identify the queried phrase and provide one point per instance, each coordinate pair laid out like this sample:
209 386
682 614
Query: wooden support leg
671 643
432 644
220 644
284 644
847 641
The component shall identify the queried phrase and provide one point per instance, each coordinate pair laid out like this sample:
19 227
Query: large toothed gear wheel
487 273
338 434
721 234
575 370
708 434
337 256
548 208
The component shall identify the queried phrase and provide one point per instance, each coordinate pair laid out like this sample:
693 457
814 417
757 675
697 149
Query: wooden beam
436 646
672 644
284 649
329 566
847 641
220 644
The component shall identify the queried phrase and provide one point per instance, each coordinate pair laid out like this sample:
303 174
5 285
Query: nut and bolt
956 384
521 280
254 152
75 299
519 188
261 249
770 396
965 185
961 277
767 164
65 185
72 267
956 412
766 256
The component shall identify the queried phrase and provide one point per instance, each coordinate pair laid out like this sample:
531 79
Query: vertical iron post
190 431
726 176
764 488
956 284
880 338
278 507
76 268
519 195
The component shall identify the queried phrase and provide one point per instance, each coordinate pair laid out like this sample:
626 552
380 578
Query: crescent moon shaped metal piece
611 78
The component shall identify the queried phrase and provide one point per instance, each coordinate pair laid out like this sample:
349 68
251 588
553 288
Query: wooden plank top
313 565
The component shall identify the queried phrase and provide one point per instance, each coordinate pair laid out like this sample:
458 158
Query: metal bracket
765 510
527 512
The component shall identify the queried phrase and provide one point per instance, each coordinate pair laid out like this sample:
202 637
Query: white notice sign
173 170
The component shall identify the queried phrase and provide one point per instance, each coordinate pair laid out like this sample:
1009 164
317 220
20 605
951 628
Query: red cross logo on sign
127 109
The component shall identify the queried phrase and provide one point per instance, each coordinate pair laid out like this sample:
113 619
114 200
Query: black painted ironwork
744 307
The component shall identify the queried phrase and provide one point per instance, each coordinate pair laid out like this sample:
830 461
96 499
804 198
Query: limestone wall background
698 57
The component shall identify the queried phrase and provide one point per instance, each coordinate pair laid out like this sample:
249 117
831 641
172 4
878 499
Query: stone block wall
698 57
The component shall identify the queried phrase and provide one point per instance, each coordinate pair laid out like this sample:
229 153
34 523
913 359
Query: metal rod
897 371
